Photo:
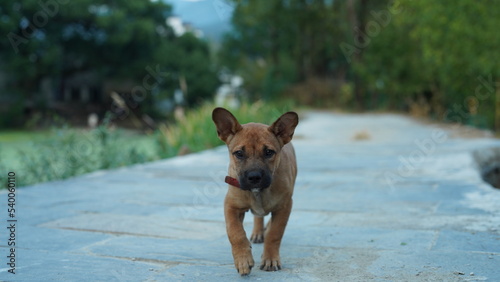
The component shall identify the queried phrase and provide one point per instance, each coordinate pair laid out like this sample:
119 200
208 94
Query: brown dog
262 173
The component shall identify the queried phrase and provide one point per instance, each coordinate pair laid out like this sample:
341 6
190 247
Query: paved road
378 197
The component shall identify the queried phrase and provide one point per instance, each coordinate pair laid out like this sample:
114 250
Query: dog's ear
226 123
284 127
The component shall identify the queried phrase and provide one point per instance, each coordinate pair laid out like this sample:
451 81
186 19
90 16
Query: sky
212 17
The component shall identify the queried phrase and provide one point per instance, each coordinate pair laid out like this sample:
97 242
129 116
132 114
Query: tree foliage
115 40
401 54
443 52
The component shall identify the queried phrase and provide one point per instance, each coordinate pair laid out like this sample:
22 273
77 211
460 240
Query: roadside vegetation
60 153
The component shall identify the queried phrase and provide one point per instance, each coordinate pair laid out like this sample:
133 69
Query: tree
195 67
441 51
116 40
277 43
391 54
292 42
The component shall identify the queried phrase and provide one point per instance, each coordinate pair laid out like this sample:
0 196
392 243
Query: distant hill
212 17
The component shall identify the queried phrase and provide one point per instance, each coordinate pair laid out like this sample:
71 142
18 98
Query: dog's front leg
274 233
242 250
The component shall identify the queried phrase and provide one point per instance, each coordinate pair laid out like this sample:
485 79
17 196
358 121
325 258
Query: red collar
232 181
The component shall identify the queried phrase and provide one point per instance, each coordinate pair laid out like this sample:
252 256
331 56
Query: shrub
70 152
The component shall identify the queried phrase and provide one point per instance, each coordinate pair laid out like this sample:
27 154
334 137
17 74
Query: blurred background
97 84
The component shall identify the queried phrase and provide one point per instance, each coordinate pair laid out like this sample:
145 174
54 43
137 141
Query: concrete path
378 197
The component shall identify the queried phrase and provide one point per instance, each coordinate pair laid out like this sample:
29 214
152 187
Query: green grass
48 155
66 152
14 136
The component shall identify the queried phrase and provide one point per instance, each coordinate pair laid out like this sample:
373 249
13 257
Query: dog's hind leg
258 230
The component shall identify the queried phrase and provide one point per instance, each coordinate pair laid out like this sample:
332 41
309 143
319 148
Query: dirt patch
361 135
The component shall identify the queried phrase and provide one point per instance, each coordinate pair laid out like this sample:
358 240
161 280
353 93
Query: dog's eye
268 153
239 154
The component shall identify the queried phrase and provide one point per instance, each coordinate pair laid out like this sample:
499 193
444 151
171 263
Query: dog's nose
254 177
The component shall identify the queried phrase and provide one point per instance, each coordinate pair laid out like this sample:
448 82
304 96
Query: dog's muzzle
234 182
251 180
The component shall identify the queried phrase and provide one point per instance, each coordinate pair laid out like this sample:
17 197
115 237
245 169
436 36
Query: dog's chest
258 206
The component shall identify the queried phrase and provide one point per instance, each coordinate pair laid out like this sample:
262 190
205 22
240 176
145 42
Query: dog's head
254 148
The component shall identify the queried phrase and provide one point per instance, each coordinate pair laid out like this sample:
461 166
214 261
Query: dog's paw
270 264
244 263
257 237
